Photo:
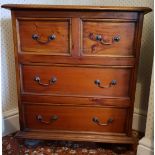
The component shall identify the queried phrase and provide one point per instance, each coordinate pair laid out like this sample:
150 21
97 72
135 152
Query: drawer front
78 81
44 36
108 38
75 118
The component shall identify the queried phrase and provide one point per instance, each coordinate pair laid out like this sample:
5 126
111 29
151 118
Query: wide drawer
69 118
76 81
108 37
44 36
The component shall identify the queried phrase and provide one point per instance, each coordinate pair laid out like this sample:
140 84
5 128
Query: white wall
146 144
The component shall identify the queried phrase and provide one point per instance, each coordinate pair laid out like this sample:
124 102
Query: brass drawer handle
51 81
52 119
112 83
97 121
38 38
103 39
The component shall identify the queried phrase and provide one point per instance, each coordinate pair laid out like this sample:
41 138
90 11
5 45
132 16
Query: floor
12 147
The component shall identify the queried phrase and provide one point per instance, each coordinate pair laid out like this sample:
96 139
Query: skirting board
145 147
139 120
11 122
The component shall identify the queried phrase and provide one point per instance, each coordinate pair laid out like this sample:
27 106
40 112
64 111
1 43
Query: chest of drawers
76 71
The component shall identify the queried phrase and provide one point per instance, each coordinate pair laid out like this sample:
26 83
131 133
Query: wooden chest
76 71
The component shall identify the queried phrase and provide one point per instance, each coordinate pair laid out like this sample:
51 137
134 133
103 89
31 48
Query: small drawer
44 117
76 81
44 36
108 38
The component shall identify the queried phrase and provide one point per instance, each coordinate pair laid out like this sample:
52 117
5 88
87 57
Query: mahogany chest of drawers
76 71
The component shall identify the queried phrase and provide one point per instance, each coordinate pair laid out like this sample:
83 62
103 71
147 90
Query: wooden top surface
77 7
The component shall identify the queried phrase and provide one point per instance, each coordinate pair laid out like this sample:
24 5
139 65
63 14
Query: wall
150 114
146 144
9 95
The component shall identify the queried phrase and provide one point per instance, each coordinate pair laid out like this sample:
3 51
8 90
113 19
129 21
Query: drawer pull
112 83
53 118
97 121
103 39
116 38
51 82
38 39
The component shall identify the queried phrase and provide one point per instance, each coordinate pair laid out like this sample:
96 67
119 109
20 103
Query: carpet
10 146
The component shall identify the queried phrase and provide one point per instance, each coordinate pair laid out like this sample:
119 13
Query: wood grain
61 100
37 58
76 80
76 14
75 118
108 30
76 136
77 7
44 28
